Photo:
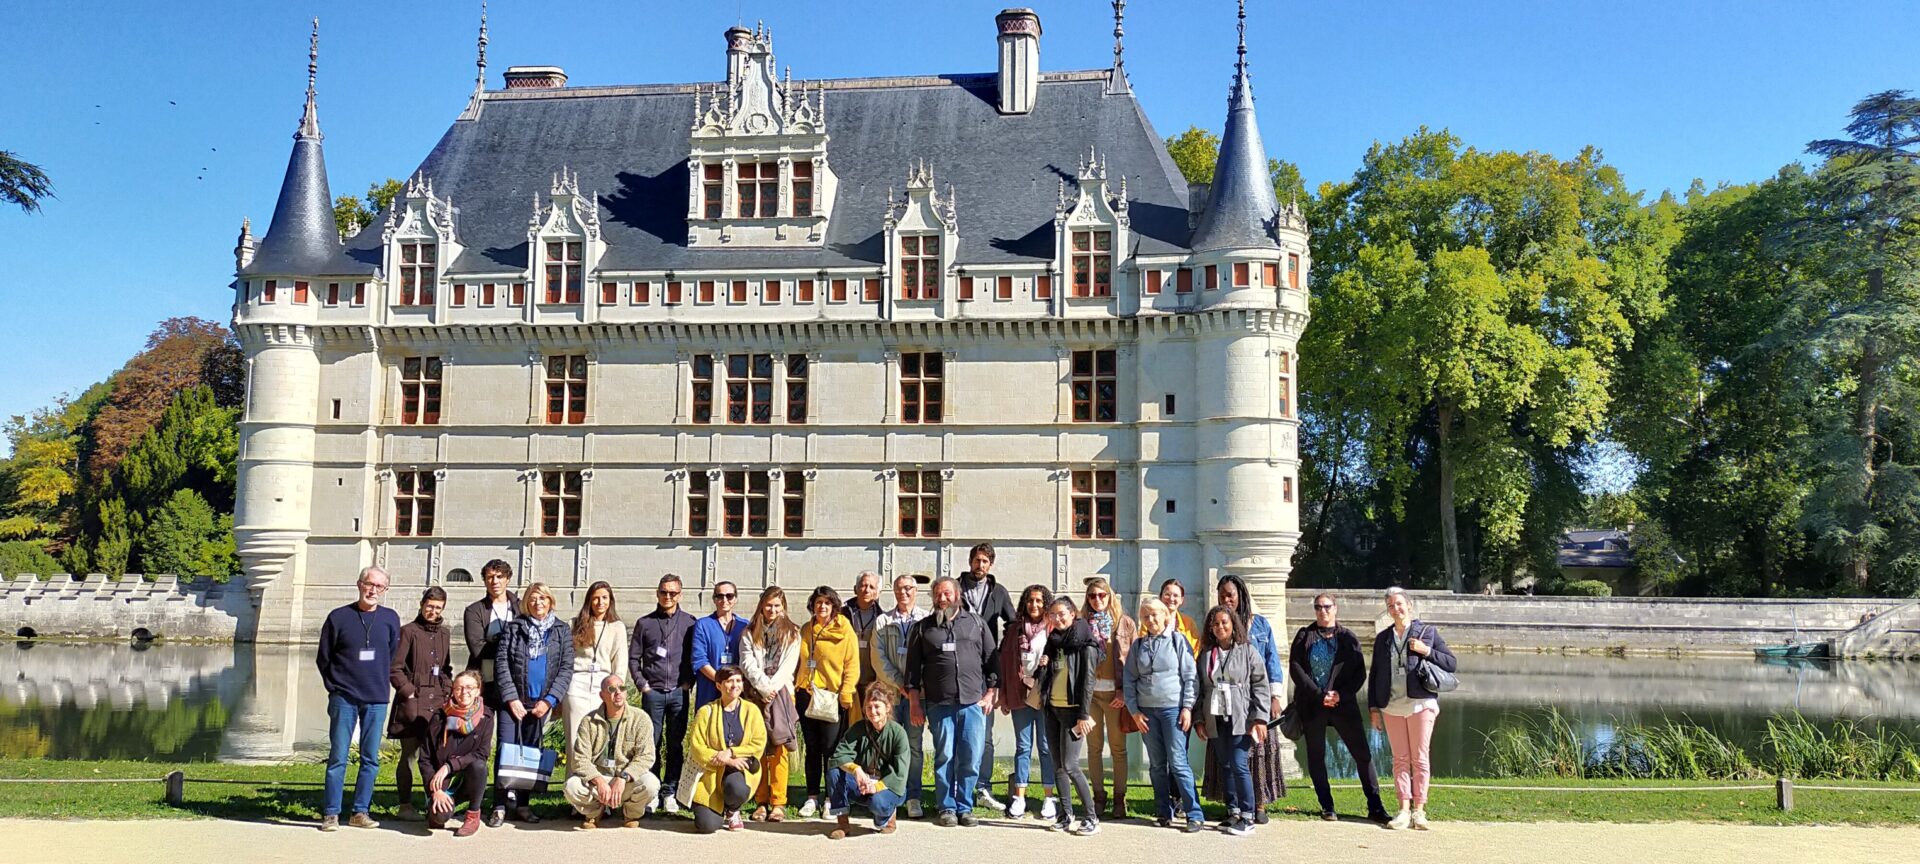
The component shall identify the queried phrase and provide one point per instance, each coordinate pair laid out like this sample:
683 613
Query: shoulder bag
1436 679
822 704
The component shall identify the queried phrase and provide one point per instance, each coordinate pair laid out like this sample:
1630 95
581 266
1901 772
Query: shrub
25 556
1586 588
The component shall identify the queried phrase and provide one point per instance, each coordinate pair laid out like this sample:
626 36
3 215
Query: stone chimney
535 78
1019 59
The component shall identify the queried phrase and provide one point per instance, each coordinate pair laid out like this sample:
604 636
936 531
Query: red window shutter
738 294
268 293
1043 286
609 293
519 293
1293 271
459 293
1241 274
804 293
333 293
706 293
770 291
1213 277
1185 283
871 291
300 292
642 292
673 293
1003 290
487 297
1153 281
1270 274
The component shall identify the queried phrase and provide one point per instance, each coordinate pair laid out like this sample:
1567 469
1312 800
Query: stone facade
1115 395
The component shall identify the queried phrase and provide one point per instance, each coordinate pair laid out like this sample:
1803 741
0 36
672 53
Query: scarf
1029 631
460 723
429 626
538 648
1102 626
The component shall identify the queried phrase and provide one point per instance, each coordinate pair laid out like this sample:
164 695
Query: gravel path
204 841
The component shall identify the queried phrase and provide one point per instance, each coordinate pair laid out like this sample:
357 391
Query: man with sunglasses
1328 670
716 643
658 660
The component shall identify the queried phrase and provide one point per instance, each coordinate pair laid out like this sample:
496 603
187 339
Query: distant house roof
1595 547
631 145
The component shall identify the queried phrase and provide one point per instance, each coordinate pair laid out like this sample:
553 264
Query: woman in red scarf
453 755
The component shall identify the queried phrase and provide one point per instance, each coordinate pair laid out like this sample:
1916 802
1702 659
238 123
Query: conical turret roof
1241 205
303 239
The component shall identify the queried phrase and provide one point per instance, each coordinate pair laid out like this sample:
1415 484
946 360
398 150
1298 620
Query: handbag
823 705
1436 679
525 768
1290 724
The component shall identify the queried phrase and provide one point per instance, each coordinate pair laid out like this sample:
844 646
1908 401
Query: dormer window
563 271
919 266
758 185
1092 263
715 189
803 188
418 273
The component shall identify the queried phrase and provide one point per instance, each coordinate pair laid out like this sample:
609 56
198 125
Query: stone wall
1693 624
95 607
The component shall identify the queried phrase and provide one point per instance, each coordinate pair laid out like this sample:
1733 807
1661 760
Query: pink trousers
1411 738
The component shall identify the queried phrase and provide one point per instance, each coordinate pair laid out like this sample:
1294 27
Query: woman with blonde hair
1403 705
828 686
599 650
1113 634
533 670
1174 595
1160 682
769 657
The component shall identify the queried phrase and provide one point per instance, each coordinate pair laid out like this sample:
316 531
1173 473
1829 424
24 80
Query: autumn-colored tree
178 355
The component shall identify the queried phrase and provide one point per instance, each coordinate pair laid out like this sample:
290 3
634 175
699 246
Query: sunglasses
719 596
665 593
1323 605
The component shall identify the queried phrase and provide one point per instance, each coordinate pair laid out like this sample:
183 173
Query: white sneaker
1419 820
985 799
1018 807
1401 821
670 805
1049 808
914 810
809 808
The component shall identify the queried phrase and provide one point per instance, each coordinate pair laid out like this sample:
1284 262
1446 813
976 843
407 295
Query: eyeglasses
1323 605
665 593
719 596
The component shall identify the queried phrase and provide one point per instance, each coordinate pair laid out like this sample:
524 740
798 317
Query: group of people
726 702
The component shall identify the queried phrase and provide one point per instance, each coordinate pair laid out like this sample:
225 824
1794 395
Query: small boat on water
1793 651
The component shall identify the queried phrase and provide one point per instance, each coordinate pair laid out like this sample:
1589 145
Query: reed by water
1550 745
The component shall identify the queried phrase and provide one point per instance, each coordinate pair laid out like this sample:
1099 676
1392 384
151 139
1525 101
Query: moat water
201 703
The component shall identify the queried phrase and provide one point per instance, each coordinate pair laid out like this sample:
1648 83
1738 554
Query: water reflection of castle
274 706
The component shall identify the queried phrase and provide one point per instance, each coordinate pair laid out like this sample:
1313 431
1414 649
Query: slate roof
1595 547
1241 203
631 145
302 239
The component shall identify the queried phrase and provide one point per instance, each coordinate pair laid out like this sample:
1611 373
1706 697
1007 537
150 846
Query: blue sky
163 124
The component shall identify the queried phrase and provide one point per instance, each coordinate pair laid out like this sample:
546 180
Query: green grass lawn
266 794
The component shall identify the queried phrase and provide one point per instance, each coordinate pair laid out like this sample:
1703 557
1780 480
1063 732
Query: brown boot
469 826
1119 810
590 823
840 832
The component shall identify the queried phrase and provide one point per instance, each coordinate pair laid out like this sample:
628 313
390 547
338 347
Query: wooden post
176 788
1783 789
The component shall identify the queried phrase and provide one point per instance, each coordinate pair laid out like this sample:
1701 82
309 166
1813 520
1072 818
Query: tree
115 544
350 214
175 359
22 183
1470 310
21 556
184 536
1865 300
1194 152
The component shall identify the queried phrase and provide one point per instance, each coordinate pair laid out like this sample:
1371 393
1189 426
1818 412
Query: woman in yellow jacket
724 743
830 674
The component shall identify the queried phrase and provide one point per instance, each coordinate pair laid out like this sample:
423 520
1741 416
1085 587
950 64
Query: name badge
366 655
726 658
1217 704
900 650
949 647
660 651
593 668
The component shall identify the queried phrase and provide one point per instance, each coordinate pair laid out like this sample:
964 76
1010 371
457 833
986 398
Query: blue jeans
1166 748
1230 754
342 717
668 711
956 754
916 737
843 789
1026 737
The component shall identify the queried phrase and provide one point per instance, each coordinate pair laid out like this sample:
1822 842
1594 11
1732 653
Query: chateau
778 331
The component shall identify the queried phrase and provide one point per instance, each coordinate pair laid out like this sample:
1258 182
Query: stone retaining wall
1693 624
95 607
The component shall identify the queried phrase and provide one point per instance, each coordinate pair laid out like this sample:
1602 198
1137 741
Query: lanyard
365 629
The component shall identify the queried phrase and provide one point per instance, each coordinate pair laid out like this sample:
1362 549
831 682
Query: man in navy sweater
356 648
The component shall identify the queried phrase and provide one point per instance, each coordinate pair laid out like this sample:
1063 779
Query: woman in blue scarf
533 670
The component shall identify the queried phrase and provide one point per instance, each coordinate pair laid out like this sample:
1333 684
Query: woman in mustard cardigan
724 743
829 671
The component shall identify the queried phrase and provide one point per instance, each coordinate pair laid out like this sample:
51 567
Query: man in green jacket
870 765
610 765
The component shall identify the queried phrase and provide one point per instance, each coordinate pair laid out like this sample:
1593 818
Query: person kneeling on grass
724 743
870 765
453 754
611 760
